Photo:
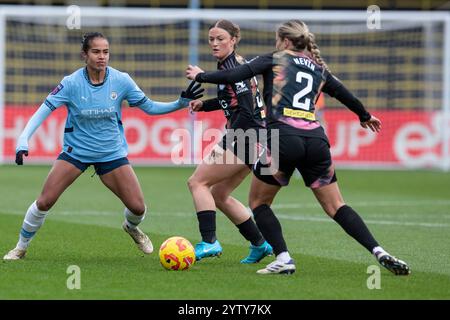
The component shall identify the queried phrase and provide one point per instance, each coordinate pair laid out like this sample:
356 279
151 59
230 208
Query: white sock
378 252
34 219
133 220
284 257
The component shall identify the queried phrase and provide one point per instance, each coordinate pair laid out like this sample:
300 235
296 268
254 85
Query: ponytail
314 49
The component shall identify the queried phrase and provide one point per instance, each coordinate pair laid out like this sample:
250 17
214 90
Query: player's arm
258 65
35 121
58 97
211 105
137 98
336 89
245 101
204 105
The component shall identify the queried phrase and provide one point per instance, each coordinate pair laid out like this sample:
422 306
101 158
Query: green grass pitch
407 211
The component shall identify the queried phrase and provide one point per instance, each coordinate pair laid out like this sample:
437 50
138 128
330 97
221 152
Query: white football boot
141 239
15 254
394 265
278 267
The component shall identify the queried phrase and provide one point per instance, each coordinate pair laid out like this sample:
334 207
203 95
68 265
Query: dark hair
87 38
230 27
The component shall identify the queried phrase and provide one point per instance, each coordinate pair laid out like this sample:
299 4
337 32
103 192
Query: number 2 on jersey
302 93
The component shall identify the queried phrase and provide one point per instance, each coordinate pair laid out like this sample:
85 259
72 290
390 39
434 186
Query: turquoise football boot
205 250
257 253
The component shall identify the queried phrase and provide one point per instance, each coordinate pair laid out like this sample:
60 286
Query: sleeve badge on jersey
57 89
240 87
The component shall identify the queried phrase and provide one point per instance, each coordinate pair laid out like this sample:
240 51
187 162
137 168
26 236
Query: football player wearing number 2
294 76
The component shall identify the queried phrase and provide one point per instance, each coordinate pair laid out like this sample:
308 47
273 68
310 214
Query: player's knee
252 203
138 208
329 210
256 202
256 199
193 183
44 204
332 207
220 197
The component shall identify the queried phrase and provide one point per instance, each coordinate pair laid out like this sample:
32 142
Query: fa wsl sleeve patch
57 89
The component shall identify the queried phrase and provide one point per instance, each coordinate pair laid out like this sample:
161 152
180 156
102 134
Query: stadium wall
386 68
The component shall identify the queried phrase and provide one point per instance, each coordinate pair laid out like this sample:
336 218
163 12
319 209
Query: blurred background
395 60
253 4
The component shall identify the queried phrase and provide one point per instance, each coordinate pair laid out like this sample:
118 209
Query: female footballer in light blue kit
93 135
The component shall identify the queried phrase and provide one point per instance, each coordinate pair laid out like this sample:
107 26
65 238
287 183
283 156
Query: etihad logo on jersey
98 113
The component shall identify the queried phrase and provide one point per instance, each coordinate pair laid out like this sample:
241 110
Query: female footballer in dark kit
294 76
230 161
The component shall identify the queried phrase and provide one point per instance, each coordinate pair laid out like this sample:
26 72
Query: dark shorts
310 156
101 168
245 147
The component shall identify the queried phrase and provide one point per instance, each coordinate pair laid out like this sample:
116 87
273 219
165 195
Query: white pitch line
386 203
383 222
282 216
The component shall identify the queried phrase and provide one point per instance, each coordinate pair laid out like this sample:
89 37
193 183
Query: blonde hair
233 29
298 32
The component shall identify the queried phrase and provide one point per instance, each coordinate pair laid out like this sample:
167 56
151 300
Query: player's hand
194 91
373 124
19 156
192 71
195 105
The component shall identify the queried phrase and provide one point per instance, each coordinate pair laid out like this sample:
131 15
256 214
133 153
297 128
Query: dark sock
270 228
207 225
352 223
250 232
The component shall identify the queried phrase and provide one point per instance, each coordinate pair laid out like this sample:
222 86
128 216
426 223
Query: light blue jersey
93 130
